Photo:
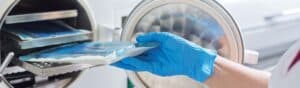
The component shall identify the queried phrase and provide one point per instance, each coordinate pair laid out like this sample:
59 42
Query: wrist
205 68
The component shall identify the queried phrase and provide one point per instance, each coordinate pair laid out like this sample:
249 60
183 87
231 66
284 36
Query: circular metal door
204 22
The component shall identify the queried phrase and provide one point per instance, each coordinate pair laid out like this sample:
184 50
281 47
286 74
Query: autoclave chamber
73 13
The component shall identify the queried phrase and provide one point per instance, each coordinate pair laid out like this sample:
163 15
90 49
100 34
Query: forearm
232 75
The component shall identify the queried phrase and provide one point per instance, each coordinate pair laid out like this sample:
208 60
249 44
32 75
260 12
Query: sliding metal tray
42 16
46 69
84 20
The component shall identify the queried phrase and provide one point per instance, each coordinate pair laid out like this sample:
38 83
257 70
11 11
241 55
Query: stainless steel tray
84 20
32 17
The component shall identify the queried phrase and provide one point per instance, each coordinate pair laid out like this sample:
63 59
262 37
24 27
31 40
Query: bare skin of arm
229 74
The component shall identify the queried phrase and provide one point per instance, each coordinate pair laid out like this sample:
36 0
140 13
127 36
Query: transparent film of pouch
94 53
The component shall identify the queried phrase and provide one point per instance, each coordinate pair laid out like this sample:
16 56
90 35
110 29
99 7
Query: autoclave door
203 22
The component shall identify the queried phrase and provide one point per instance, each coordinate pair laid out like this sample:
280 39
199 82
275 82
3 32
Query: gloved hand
173 56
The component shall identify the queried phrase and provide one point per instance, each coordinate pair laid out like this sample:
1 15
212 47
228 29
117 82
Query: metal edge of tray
91 18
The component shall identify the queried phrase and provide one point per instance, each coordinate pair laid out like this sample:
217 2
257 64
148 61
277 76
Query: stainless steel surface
53 69
204 22
5 8
13 69
192 24
53 15
55 40
85 20
4 83
7 60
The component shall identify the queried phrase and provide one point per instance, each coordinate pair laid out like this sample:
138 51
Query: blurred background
267 26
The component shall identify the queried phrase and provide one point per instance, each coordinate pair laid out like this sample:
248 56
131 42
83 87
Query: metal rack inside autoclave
72 13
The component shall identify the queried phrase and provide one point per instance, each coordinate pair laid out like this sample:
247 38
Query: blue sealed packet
89 52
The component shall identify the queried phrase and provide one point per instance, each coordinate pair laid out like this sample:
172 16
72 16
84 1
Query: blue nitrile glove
173 56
